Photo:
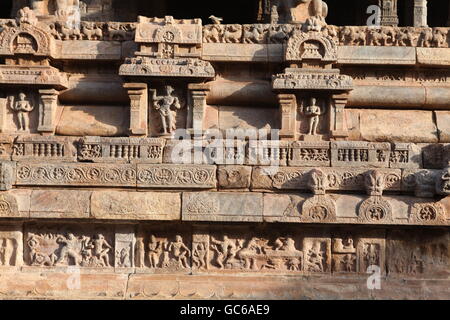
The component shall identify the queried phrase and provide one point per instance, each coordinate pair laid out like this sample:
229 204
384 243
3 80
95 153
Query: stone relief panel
167 110
11 246
20 112
69 245
418 252
164 249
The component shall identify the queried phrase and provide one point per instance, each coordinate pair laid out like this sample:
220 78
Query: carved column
288 113
138 94
389 16
337 120
3 112
196 112
420 13
47 111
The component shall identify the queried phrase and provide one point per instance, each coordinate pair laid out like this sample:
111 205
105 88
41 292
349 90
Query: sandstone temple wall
170 159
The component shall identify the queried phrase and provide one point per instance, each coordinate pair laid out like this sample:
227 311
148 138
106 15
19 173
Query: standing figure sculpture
101 249
70 249
313 112
281 10
164 104
70 10
22 107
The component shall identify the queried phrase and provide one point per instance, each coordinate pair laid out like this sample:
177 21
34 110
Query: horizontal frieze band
173 248
289 207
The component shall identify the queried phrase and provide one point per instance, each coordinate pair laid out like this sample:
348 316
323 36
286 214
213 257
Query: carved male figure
22 107
154 251
226 250
101 249
164 104
199 256
315 258
70 249
313 112
180 251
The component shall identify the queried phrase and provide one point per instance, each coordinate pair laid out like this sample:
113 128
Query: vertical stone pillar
138 94
47 111
338 126
196 112
288 112
3 112
389 16
420 13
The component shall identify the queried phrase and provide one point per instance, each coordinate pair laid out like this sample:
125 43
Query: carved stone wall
168 158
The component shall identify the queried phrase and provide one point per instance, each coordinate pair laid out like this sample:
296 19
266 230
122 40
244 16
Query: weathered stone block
416 126
234 177
414 253
220 206
60 204
377 55
122 205
443 126
7 175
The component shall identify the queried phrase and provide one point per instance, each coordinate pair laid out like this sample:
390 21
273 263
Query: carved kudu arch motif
311 46
26 39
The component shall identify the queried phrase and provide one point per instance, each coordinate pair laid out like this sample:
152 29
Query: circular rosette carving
146 176
164 176
427 213
320 208
375 210
8 205
201 176
112 175
24 173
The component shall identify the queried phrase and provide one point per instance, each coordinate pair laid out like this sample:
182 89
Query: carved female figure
22 107
164 104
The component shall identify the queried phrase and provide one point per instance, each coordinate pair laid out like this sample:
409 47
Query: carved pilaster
420 13
338 127
47 111
288 112
3 112
138 108
196 112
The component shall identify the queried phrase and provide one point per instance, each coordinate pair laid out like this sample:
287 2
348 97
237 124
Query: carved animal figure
253 34
352 36
232 33
404 38
212 33
116 32
92 32
426 38
68 33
